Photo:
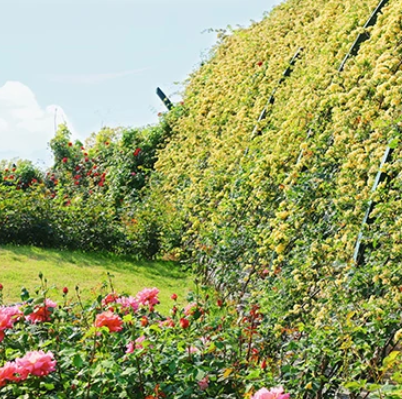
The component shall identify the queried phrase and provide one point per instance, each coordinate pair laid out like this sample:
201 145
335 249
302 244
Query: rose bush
120 346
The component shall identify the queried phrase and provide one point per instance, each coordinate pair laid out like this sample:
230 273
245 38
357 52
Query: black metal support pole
362 37
271 99
164 99
358 255
353 51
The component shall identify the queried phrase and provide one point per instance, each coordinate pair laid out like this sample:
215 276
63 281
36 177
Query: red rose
259 63
65 290
137 151
65 159
184 323
173 296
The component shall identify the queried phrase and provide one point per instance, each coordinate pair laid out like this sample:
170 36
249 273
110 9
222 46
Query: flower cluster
35 363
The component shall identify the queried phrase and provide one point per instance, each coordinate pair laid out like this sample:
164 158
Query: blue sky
95 63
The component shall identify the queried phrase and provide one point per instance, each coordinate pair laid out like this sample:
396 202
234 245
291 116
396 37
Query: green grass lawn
20 267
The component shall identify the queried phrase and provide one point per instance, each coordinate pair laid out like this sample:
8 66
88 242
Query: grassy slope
20 266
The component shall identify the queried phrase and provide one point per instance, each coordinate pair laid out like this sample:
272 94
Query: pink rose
136 344
128 303
36 363
9 372
130 347
8 316
273 393
148 296
110 320
203 384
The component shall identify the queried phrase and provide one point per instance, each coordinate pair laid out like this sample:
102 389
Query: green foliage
20 174
88 196
36 218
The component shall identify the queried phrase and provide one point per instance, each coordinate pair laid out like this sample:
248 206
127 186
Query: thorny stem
140 376
77 291
91 360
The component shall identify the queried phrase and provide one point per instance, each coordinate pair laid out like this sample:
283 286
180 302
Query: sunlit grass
20 267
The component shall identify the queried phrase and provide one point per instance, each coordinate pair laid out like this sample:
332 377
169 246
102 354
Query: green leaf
355 385
49 386
77 361
199 375
130 371
391 358
155 328
253 374
397 377
393 143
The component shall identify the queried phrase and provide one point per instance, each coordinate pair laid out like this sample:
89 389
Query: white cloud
26 127
94 78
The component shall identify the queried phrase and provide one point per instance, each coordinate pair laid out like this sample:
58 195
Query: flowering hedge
92 198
